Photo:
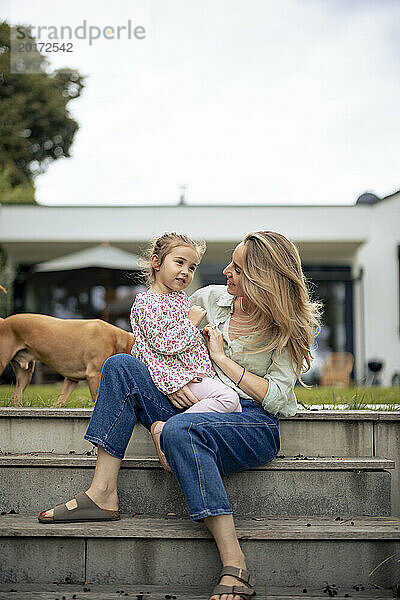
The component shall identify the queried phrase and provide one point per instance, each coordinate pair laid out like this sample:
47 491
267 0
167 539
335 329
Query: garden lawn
323 397
349 398
46 395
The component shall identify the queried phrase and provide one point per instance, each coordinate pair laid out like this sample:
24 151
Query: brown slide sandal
87 510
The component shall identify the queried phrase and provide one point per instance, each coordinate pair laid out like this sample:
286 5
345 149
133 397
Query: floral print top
167 341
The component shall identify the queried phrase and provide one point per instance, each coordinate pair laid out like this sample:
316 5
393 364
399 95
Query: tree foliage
35 125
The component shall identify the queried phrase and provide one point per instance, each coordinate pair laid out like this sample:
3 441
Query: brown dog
75 348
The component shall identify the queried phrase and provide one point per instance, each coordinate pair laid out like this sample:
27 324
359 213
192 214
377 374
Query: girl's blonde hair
162 246
272 279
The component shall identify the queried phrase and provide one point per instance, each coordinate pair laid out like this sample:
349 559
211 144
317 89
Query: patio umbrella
101 265
102 256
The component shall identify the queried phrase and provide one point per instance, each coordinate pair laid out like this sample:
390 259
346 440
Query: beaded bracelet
241 377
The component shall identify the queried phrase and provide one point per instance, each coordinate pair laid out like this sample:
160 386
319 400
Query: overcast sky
243 101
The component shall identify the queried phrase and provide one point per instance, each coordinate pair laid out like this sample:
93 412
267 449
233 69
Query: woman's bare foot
155 431
104 500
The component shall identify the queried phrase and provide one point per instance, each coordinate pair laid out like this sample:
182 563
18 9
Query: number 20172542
45 47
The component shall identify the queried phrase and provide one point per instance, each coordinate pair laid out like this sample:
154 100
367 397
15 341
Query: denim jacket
274 366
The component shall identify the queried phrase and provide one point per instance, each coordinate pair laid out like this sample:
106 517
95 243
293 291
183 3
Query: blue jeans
199 447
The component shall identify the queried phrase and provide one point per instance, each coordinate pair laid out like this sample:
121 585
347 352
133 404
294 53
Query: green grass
349 398
46 395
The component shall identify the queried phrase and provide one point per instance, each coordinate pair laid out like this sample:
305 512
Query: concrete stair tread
300 462
160 592
255 528
314 415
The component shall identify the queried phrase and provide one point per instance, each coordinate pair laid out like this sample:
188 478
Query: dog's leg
93 380
23 376
3 363
6 350
67 388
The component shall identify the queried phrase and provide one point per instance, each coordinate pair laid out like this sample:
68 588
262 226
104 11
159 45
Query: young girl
166 336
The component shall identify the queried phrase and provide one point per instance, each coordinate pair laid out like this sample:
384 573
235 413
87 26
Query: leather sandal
155 434
86 510
236 590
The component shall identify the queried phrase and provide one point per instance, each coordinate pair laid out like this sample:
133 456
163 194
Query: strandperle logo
80 32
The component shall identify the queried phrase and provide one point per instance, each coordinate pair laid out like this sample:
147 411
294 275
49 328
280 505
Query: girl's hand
196 314
214 340
183 398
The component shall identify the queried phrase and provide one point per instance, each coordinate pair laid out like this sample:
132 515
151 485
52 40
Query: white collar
226 299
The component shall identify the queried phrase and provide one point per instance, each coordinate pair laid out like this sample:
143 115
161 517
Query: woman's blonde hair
272 279
164 245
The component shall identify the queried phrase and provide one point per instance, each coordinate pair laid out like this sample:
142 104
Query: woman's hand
214 340
183 398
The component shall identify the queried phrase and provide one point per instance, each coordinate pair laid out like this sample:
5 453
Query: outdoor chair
337 369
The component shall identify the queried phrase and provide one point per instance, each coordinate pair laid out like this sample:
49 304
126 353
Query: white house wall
378 257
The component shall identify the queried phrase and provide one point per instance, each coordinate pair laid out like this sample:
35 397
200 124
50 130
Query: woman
259 335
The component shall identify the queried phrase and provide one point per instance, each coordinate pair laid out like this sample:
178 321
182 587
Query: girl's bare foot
155 431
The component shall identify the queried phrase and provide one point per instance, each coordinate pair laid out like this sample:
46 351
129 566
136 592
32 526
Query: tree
35 125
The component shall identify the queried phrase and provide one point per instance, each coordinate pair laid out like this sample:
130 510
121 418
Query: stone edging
306 415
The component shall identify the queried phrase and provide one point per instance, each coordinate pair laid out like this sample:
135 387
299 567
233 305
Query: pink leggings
214 396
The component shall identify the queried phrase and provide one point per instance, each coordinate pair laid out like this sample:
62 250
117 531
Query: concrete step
292 486
309 432
182 592
314 433
298 551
